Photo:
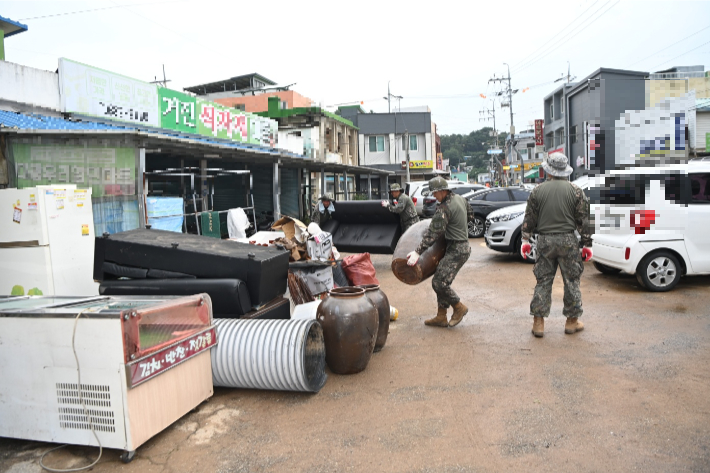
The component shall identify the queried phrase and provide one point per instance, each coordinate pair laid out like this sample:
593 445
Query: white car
504 226
655 223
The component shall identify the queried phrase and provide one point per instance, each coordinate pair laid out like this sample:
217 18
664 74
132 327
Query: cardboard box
291 227
320 246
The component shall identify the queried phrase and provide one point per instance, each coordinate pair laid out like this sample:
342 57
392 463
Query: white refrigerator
47 241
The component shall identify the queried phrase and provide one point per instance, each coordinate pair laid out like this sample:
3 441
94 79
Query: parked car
414 190
655 224
418 190
430 202
486 201
503 230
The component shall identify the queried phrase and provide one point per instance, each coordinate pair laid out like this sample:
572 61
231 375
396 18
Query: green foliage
17 291
475 144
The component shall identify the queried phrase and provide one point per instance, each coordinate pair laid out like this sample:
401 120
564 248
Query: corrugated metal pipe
284 355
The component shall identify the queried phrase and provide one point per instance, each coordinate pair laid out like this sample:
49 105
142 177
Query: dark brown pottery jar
349 323
382 304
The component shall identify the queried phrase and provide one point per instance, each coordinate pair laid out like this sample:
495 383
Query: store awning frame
161 143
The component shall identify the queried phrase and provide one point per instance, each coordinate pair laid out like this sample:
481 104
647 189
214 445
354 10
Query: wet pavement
629 393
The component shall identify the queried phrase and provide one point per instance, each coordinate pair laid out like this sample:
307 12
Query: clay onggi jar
382 304
350 323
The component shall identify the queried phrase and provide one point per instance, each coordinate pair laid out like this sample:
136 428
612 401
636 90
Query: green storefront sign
222 122
107 171
178 111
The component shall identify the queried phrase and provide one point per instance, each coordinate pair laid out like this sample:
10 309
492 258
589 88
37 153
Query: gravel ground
629 393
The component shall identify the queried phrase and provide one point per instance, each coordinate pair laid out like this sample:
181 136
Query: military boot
439 320
573 325
538 326
459 311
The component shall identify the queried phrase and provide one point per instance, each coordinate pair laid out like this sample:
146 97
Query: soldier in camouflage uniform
323 210
401 204
555 210
451 219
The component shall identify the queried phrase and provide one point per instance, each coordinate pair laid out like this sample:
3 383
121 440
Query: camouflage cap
395 187
326 197
438 184
557 165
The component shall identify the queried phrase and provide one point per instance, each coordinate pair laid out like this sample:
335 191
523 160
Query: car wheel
604 269
532 257
477 227
659 272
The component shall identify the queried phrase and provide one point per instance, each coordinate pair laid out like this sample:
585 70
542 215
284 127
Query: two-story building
386 138
555 123
580 117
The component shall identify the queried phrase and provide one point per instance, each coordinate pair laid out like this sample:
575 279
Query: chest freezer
144 363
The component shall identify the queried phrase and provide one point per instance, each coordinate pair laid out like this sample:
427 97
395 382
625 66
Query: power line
555 36
690 51
679 41
568 39
97 9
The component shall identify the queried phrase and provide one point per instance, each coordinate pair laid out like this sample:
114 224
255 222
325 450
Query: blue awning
11 27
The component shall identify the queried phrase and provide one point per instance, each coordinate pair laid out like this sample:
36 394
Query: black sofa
360 226
242 280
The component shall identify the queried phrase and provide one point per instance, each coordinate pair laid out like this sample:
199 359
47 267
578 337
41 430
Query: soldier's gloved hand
525 249
586 254
385 203
412 258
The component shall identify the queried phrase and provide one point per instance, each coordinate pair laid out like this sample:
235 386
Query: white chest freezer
144 363
47 241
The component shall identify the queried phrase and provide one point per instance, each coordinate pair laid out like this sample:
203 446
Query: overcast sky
441 54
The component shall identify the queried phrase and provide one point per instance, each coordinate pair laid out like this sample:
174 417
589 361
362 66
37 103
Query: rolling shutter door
290 192
263 189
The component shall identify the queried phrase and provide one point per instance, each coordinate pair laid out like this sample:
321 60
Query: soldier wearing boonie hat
401 204
556 209
451 220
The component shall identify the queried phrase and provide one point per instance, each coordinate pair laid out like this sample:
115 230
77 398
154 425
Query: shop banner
539 138
86 90
531 165
89 91
421 164
107 171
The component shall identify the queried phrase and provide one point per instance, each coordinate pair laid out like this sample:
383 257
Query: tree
454 156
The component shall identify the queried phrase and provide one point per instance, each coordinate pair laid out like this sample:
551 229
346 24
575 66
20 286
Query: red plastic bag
359 269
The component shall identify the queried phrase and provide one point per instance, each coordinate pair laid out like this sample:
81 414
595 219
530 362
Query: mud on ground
629 393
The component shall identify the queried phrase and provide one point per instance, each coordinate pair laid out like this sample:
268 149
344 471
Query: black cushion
364 212
115 271
374 238
230 297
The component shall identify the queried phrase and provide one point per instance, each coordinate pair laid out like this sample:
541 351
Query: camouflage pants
457 253
553 250
405 225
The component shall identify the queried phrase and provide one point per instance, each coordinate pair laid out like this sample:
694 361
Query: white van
655 223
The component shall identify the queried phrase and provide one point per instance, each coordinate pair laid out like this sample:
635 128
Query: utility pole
491 114
406 136
568 76
510 93
391 96
164 82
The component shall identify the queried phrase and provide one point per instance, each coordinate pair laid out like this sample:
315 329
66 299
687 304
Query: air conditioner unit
144 363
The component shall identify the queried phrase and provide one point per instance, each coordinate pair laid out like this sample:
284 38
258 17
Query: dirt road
629 393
